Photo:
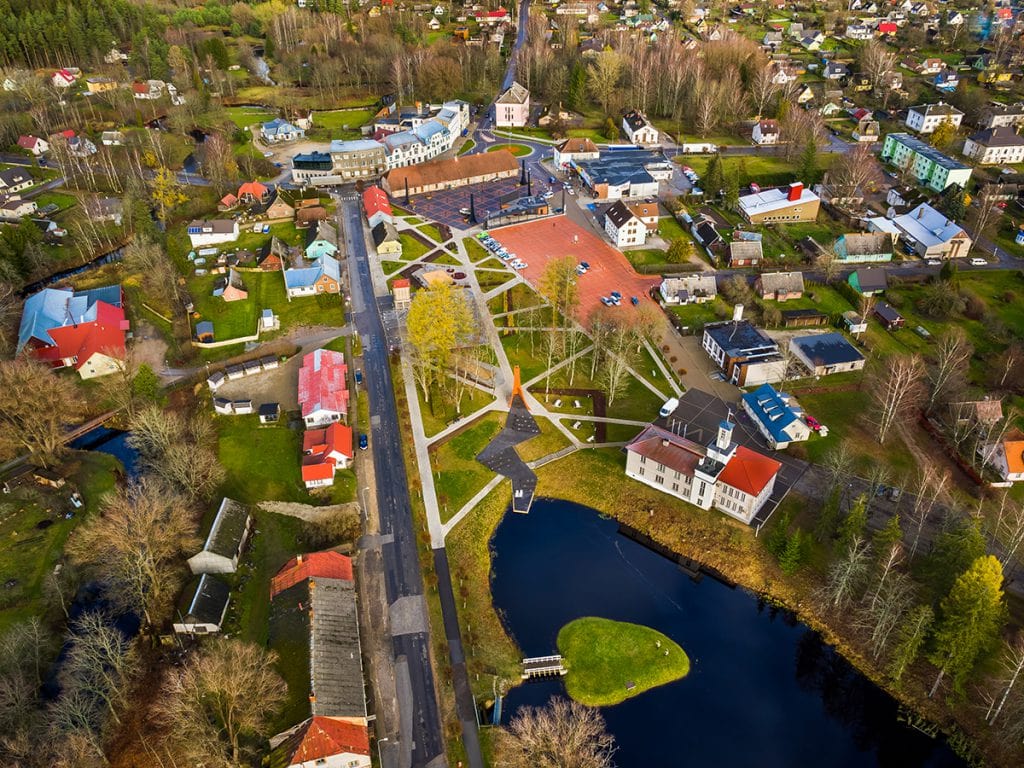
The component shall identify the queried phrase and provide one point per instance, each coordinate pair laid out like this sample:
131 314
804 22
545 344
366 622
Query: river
113 442
764 690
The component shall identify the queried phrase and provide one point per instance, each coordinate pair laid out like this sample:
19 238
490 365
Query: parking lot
538 242
444 206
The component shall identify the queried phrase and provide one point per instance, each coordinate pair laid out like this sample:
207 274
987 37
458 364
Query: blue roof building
779 421
826 353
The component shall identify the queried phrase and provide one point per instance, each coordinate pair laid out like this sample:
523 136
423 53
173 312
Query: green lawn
412 248
467 145
529 358
519 296
343 119
611 661
441 411
637 402
645 257
670 229
390 267
60 199
244 117
266 291
766 170
33 531
516 149
697 315
458 476
820 297
547 442
431 231
474 250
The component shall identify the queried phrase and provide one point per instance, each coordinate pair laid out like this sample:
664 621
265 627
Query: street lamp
363 496
380 758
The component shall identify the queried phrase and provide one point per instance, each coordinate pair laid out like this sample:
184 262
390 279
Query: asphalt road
418 707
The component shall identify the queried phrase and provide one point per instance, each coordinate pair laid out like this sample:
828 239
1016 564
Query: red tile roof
375 201
140 88
253 188
317 469
322 384
315 565
400 283
323 737
666 448
1014 455
28 142
105 335
749 471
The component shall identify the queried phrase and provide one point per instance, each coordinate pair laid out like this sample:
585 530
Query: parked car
585 265
606 301
976 262
570 190
616 295
933 262
363 442
635 301
813 423
465 211
359 377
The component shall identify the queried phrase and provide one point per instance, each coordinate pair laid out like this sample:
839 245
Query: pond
113 442
763 688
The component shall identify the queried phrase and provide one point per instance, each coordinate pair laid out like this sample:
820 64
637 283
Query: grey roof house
202 607
226 540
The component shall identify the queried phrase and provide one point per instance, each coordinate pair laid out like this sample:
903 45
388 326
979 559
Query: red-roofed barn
315 565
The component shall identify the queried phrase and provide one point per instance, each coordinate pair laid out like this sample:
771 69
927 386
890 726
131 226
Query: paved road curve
418 707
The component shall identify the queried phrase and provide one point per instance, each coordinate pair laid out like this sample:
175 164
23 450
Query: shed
888 317
214 380
269 362
242 407
868 282
270 413
204 331
226 540
223 406
203 606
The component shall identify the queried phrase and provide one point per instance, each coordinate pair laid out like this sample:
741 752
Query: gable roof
228 528
749 471
322 384
619 214
745 249
375 201
636 120
384 232
872 279
319 738
577 145
452 169
315 565
668 448
514 94
771 410
782 282
74 324
1003 136
205 601
326 266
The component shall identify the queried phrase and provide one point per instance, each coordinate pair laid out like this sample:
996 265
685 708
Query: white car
976 262
933 262
570 190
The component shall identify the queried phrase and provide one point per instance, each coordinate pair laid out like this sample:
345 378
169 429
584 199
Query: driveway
277 386
698 366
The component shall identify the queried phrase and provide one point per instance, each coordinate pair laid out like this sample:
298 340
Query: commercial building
782 204
994 146
512 107
450 173
729 477
826 353
776 416
575 149
925 118
746 354
358 159
931 234
624 173
314 168
930 167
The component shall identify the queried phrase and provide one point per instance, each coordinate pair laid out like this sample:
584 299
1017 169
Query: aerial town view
552 384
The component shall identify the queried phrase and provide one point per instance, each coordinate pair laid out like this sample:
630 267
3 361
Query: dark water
113 442
107 258
763 689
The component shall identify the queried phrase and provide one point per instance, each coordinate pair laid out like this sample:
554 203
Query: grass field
611 661
266 291
547 442
33 531
412 248
516 149
466 146
441 411
343 119
431 231
458 476
643 257
474 250
766 170
244 117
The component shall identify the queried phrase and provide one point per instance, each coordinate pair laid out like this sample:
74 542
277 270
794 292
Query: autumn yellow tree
439 322
166 192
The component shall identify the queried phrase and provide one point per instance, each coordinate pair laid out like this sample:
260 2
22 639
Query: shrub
1009 297
975 307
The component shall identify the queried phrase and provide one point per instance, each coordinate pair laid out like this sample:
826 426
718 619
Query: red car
813 423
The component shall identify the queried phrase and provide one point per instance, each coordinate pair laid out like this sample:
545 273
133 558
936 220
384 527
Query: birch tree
929 489
846 575
947 375
1012 665
564 734
896 390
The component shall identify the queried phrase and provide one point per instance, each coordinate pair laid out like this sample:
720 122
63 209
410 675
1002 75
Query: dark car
359 377
363 442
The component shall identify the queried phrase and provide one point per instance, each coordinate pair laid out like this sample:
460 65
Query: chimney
795 190
737 313
920 211
298 559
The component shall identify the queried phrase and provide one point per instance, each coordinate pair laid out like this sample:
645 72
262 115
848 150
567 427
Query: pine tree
577 95
886 536
794 554
828 519
952 203
732 190
808 171
909 639
714 178
854 523
778 535
970 618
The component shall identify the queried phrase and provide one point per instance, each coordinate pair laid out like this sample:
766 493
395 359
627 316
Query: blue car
616 295
363 442
635 301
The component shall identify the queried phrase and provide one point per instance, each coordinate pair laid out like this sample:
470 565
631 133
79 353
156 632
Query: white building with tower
729 477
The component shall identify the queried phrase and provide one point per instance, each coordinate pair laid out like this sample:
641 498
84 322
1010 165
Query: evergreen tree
854 523
828 519
959 544
970 618
732 190
577 95
714 178
611 130
808 170
952 202
794 554
886 536
778 535
910 638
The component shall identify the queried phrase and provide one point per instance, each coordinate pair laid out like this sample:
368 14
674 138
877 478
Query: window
641 472
659 479
675 486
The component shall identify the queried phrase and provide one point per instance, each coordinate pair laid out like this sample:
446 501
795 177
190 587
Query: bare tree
888 605
877 63
101 662
846 575
135 544
929 489
763 89
35 406
853 173
603 78
564 734
1012 665
947 376
896 390
226 692
178 450
986 212
10 307
838 464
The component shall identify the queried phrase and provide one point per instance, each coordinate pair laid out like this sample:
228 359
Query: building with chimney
729 477
746 354
782 205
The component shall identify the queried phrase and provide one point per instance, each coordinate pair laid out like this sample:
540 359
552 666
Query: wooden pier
543 666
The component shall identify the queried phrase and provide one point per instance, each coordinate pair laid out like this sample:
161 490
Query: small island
611 661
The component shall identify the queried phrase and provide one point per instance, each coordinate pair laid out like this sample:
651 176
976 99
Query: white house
995 146
33 144
1006 458
931 234
776 416
280 130
207 232
512 107
226 540
689 289
623 227
575 149
62 78
766 132
638 128
925 118
730 477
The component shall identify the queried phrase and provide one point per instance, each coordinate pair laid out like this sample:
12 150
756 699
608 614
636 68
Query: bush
1009 297
975 307
896 300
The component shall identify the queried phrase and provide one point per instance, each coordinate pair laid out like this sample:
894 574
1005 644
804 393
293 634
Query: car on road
616 295
933 263
363 442
976 262
813 423
359 377
570 190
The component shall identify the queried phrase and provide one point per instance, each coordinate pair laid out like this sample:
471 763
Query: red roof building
315 565
749 471
84 330
377 206
318 739
887 28
253 192
325 450
323 387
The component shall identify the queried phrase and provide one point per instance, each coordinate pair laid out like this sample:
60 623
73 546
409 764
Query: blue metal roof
768 407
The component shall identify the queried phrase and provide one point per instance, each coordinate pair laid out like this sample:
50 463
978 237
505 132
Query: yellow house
100 84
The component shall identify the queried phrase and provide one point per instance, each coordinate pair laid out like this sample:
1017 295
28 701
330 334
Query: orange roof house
253 192
324 451
749 471
316 740
1007 458
315 565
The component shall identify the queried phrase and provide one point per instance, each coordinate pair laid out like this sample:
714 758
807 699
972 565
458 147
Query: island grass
412 248
519 150
611 661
